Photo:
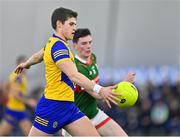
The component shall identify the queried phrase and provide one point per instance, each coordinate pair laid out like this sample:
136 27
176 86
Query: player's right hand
108 95
20 68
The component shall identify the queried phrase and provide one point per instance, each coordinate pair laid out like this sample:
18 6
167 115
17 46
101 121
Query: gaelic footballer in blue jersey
56 109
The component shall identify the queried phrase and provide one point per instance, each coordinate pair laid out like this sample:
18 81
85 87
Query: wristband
97 88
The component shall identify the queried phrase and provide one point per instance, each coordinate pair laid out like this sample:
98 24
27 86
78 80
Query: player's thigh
5 128
111 128
81 127
36 132
25 126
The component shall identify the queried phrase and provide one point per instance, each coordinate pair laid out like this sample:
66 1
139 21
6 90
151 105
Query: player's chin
87 55
71 37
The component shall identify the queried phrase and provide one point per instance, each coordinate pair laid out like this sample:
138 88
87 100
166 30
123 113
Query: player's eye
84 43
72 23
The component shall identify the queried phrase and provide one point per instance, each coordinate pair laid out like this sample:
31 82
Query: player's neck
61 36
83 59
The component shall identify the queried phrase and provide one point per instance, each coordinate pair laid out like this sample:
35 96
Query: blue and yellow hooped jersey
58 85
21 82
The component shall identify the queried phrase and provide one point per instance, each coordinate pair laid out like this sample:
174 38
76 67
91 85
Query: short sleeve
59 52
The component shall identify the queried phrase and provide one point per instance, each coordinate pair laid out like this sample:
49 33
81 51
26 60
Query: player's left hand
130 77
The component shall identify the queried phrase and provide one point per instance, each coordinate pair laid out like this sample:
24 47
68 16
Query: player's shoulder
58 45
54 42
81 67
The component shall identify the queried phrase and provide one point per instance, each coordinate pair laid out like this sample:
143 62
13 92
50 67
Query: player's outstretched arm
34 59
130 77
95 95
69 68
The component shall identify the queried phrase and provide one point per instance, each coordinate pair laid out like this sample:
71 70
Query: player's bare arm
34 59
130 77
69 68
95 95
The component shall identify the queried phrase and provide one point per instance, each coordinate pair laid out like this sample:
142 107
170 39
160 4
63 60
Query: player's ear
58 24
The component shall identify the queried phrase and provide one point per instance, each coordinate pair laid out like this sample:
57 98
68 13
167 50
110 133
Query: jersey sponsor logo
41 121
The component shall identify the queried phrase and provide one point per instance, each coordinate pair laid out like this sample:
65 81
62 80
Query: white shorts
98 121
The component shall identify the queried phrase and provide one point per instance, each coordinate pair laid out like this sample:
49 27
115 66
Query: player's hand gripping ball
129 94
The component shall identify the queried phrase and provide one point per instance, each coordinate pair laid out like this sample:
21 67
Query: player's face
84 46
68 28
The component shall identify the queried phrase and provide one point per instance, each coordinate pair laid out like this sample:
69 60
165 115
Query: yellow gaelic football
129 94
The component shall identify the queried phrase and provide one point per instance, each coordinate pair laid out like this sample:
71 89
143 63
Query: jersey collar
82 60
55 36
